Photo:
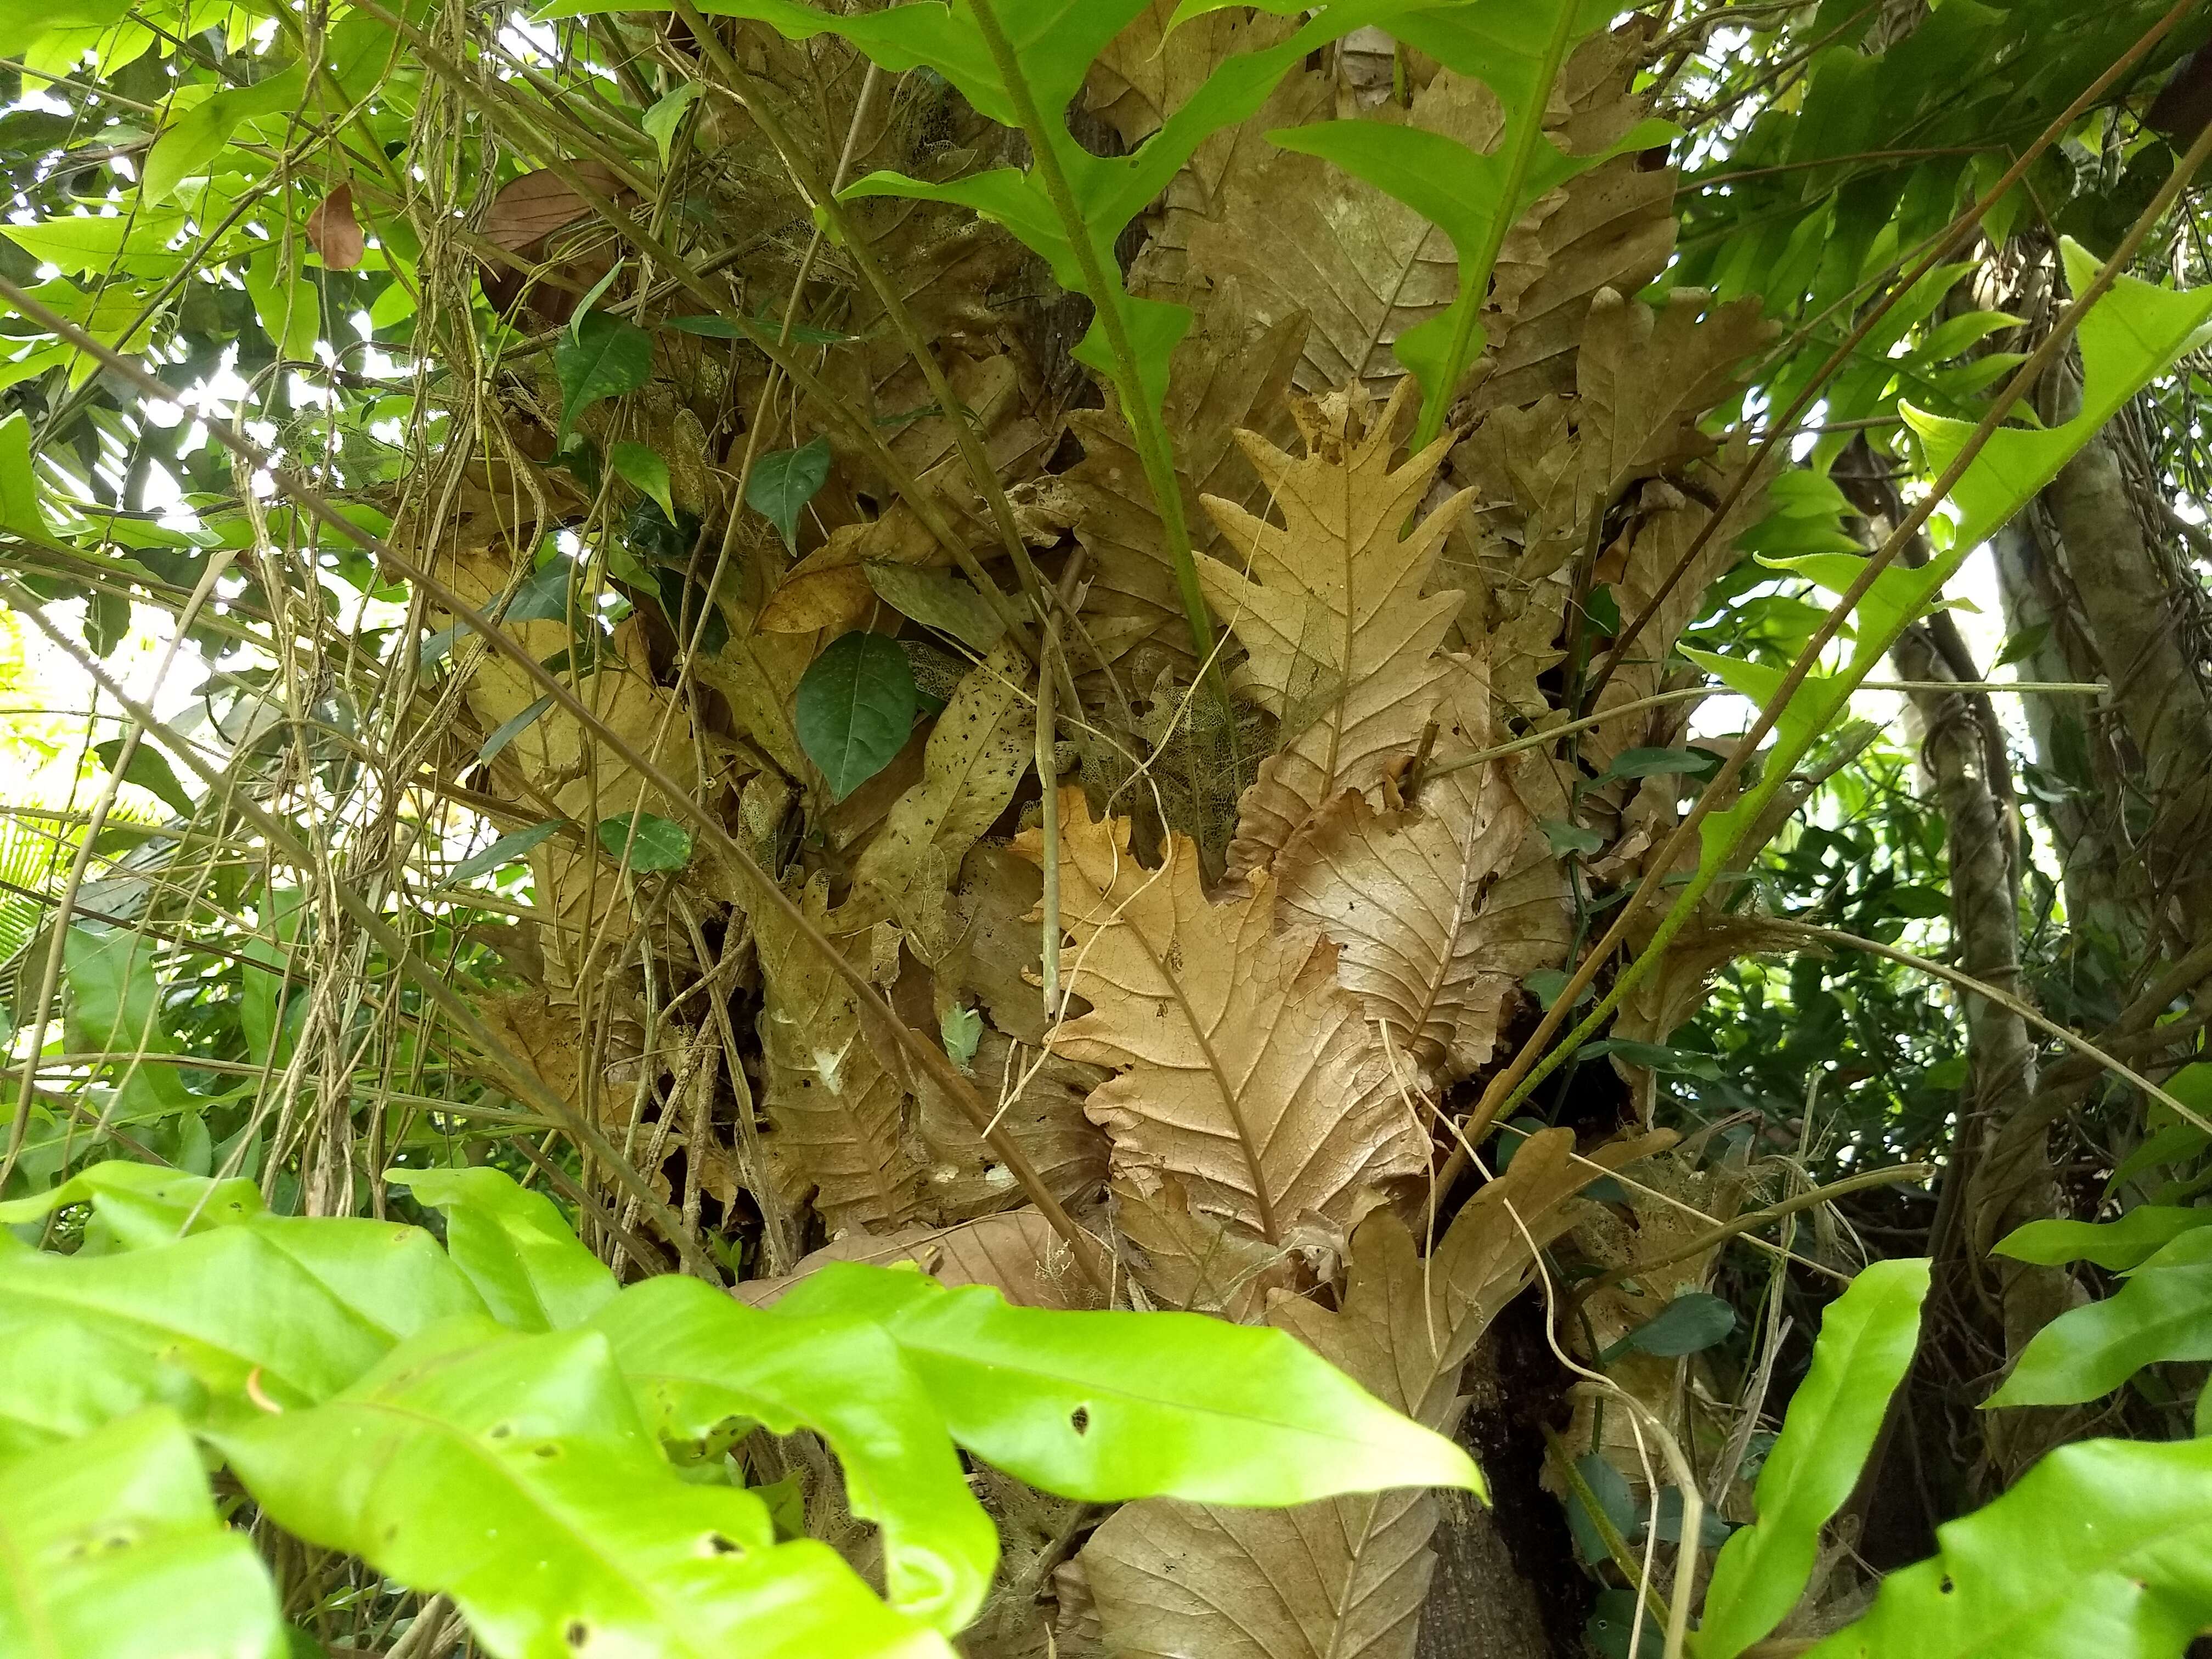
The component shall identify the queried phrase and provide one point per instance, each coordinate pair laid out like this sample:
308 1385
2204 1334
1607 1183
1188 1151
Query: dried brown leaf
1340 642
532 208
1037 1098
1242 1066
838 1111
1404 894
977 754
1308 239
1228 374
1188 1261
1016 1252
334 233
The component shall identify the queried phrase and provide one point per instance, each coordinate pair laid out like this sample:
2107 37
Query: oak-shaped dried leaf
1404 894
838 1113
1647 377
1174 1579
1242 1066
1228 374
977 754
1329 606
1309 240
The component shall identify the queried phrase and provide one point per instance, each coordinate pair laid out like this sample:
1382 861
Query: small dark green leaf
855 709
545 597
503 852
1610 1488
656 844
1690 1323
2021 646
603 358
1657 763
151 771
1565 838
721 328
1655 1057
783 483
511 728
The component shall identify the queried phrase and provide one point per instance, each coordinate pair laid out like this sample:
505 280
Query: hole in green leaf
577 1634
1079 1419
719 1544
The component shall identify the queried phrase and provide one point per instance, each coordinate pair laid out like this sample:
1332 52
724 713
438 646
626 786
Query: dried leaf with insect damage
977 754
1242 1068
1330 608
838 1112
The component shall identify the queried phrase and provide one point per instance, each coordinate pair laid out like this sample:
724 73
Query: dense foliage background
1114 651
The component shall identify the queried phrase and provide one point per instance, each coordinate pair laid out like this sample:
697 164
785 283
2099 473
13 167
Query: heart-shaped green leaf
782 484
603 358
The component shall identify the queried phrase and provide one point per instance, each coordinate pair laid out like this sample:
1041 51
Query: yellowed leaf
827 589
977 754
1242 1066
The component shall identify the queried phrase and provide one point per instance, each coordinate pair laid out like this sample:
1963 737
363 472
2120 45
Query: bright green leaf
513 1246
189 142
2118 1245
2104 1548
666 114
699 1357
1867 1338
285 300
513 1473
1107 1407
642 465
110 1548
2159 1314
